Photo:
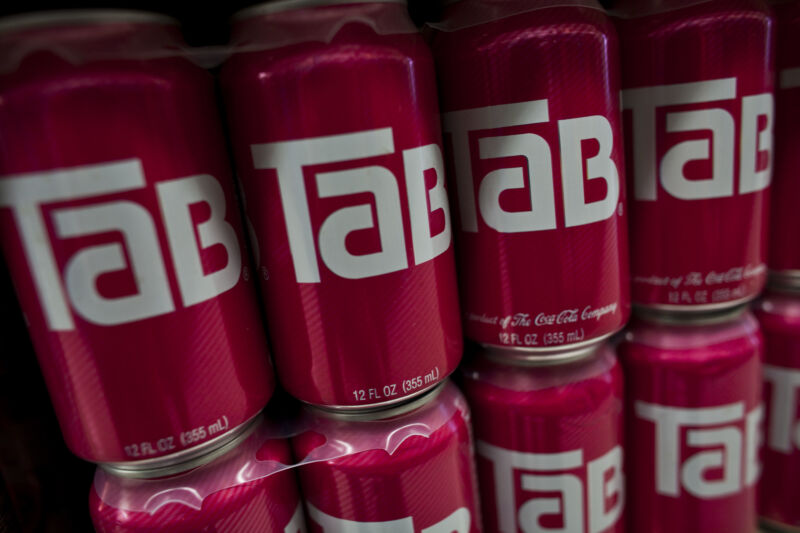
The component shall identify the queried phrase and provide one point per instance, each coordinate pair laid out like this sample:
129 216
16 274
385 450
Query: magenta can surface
693 423
538 166
336 135
212 498
408 469
120 227
779 315
549 442
697 80
784 250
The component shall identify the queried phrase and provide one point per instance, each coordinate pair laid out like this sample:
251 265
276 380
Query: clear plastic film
469 13
253 459
644 8
78 37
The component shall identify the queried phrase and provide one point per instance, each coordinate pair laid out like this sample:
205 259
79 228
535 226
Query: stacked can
540 213
779 310
120 227
335 130
697 81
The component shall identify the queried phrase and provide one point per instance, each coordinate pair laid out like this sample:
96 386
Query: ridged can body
530 108
549 442
120 227
338 147
267 505
693 425
779 315
784 251
699 148
409 473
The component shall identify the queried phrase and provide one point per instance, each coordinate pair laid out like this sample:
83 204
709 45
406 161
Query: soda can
335 128
784 252
120 227
549 441
539 175
699 148
779 315
210 496
693 421
405 469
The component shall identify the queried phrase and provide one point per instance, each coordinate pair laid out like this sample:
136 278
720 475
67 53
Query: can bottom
705 308
552 354
368 407
687 318
771 526
784 280
184 460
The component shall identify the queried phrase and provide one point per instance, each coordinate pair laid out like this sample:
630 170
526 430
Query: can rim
24 21
175 463
369 414
267 8
552 354
511 357
787 281
690 318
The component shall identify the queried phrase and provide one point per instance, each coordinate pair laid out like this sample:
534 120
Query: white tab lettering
719 428
176 197
416 161
754 141
784 429
576 211
83 269
25 194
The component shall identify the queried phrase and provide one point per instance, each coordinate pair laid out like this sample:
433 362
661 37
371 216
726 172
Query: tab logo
729 440
712 145
136 247
564 482
783 425
535 179
460 521
290 158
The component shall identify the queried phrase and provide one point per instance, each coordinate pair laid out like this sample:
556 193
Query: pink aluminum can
530 97
406 469
779 315
270 504
120 227
693 422
335 127
549 442
697 81
784 251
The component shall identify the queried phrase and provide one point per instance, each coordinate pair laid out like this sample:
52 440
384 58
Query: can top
689 318
268 8
186 460
369 414
81 17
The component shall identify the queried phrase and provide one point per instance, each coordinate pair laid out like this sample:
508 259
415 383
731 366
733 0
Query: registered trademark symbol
264 273
246 274
619 209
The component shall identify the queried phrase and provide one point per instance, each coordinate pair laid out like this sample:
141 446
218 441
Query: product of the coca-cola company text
335 128
784 249
549 441
406 469
247 489
693 422
530 97
120 227
779 315
697 100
